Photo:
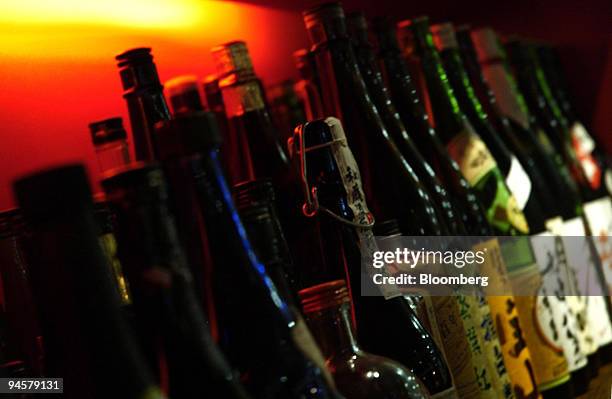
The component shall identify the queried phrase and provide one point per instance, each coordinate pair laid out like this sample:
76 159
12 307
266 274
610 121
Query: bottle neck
448 118
333 331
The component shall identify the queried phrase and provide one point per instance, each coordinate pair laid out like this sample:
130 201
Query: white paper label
518 182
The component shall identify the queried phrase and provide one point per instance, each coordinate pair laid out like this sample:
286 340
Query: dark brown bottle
358 374
391 185
416 120
257 151
368 66
307 88
286 108
144 96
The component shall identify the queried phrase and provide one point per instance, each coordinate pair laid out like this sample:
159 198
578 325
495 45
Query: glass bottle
480 169
455 131
357 373
276 359
513 106
18 304
534 87
522 180
286 108
414 117
385 326
307 87
522 146
368 66
391 185
168 315
551 310
144 96
183 94
214 103
257 152
87 340
256 204
110 141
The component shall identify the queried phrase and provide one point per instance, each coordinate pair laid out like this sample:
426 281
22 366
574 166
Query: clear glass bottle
358 374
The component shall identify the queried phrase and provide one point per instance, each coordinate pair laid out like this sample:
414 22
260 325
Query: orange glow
58 73
132 13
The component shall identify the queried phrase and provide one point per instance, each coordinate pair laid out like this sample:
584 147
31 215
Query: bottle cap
387 228
444 36
187 134
233 59
53 194
137 70
211 85
107 131
260 191
325 22
324 296
487 45
184 94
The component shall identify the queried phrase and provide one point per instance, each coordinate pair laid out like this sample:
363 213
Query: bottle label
447 321
579 260
583 145
480 170
599 216
556 322
242 98
516 355
519 183
495 357
351 180
470 316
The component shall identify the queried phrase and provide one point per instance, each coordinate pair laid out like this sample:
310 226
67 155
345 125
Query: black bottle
512 105
144 95
414 117
167 311
458 135
524 181
589 150
384 326
533 85
273 357
368 66
88 341
183 94
391 185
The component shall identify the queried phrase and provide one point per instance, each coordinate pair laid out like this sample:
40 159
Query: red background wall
57 68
